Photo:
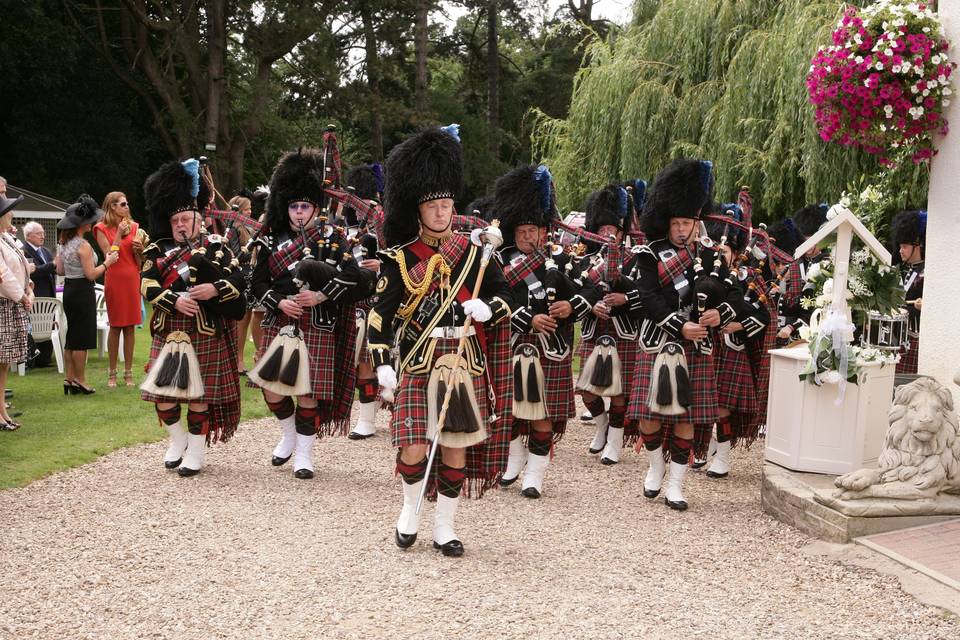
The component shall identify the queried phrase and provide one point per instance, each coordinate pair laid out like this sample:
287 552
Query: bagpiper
675 383
909 231
307 280
196 289
546 306
442 325
608 345
366 182
790 288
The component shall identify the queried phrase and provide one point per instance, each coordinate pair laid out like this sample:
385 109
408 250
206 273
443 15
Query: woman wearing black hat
77 263
909 231
16 298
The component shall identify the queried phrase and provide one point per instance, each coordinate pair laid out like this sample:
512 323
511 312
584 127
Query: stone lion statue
921 451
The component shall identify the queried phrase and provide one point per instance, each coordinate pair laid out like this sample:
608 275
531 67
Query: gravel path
122 549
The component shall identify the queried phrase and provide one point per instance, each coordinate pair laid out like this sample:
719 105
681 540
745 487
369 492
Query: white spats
532 486
720 466
409 521
653 481
515 462
443 519
674 493
303 456
178 442
600 437
611 452
288 438
193 456
366 421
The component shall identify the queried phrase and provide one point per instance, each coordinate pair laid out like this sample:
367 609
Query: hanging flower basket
884 82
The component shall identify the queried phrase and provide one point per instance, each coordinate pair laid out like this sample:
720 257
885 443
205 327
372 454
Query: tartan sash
280 261
452 249
517 272
672 266
172 266
235 217
614 259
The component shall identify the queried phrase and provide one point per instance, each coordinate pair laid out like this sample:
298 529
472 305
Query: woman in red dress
121 285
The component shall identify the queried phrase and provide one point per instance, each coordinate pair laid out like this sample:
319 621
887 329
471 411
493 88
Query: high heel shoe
112 378
128 377
69 388
85 390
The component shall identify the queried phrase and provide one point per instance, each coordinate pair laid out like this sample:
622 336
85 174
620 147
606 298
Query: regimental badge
382 284
147 265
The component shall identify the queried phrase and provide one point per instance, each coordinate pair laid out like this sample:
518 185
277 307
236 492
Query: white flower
813 272
935 59
906 66
828 287
896 68
830 377
879 66
858 59
947 91
946 102
933 84
883 127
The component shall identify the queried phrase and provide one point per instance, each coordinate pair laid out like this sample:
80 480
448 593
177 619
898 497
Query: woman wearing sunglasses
121 286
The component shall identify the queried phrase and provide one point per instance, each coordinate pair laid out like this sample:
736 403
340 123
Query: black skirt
80 307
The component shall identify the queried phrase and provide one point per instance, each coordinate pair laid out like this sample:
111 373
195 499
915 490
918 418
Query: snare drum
885 331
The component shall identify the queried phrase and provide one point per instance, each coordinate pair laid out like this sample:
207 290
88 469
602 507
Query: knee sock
198 422
652 441
168 416
680 449
616 416
517 429
411 473
306 420
368 390
724 429
283 408
450 481
595 406
539 442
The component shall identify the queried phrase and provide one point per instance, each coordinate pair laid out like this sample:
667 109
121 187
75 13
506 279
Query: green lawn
60 431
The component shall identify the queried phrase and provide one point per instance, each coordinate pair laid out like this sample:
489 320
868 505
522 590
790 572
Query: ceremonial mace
491 240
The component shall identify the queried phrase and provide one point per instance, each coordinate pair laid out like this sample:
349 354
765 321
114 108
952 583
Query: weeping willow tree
716 79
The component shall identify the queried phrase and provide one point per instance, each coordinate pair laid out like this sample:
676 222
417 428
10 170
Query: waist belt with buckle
451 332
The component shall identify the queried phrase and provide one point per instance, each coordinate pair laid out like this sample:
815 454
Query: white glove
478 309
387 379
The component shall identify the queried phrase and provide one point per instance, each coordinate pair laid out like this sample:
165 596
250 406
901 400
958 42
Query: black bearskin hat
426 166
482 207
909 227
174 187
682 189
524 196
363 179
607 206
298 177
809 219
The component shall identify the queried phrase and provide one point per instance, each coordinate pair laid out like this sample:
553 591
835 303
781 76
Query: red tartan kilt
627 350
910 358
217 355
558 381
321 345
409 423
702 380
735 385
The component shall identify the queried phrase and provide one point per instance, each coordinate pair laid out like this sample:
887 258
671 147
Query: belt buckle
449 332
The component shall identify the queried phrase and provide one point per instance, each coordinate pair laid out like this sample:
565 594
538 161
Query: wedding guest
16 299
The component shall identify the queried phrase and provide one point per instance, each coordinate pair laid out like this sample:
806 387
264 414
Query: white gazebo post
940 320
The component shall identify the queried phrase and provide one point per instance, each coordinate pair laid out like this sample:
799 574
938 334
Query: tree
715 79
493 79
182 58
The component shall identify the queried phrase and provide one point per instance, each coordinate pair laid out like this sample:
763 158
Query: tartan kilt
409 422
217 355
910 357
13 332
759 354
627 350
736 390
703 382
558 385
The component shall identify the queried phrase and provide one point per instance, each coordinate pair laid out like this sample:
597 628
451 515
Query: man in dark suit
44 279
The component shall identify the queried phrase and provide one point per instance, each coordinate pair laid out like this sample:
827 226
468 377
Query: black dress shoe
530 492
679 505
186 472
404 540
595 451
650 493
353 435
504 482
607 461
303 474
8 393
452 549
277 462
172 464
714 474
